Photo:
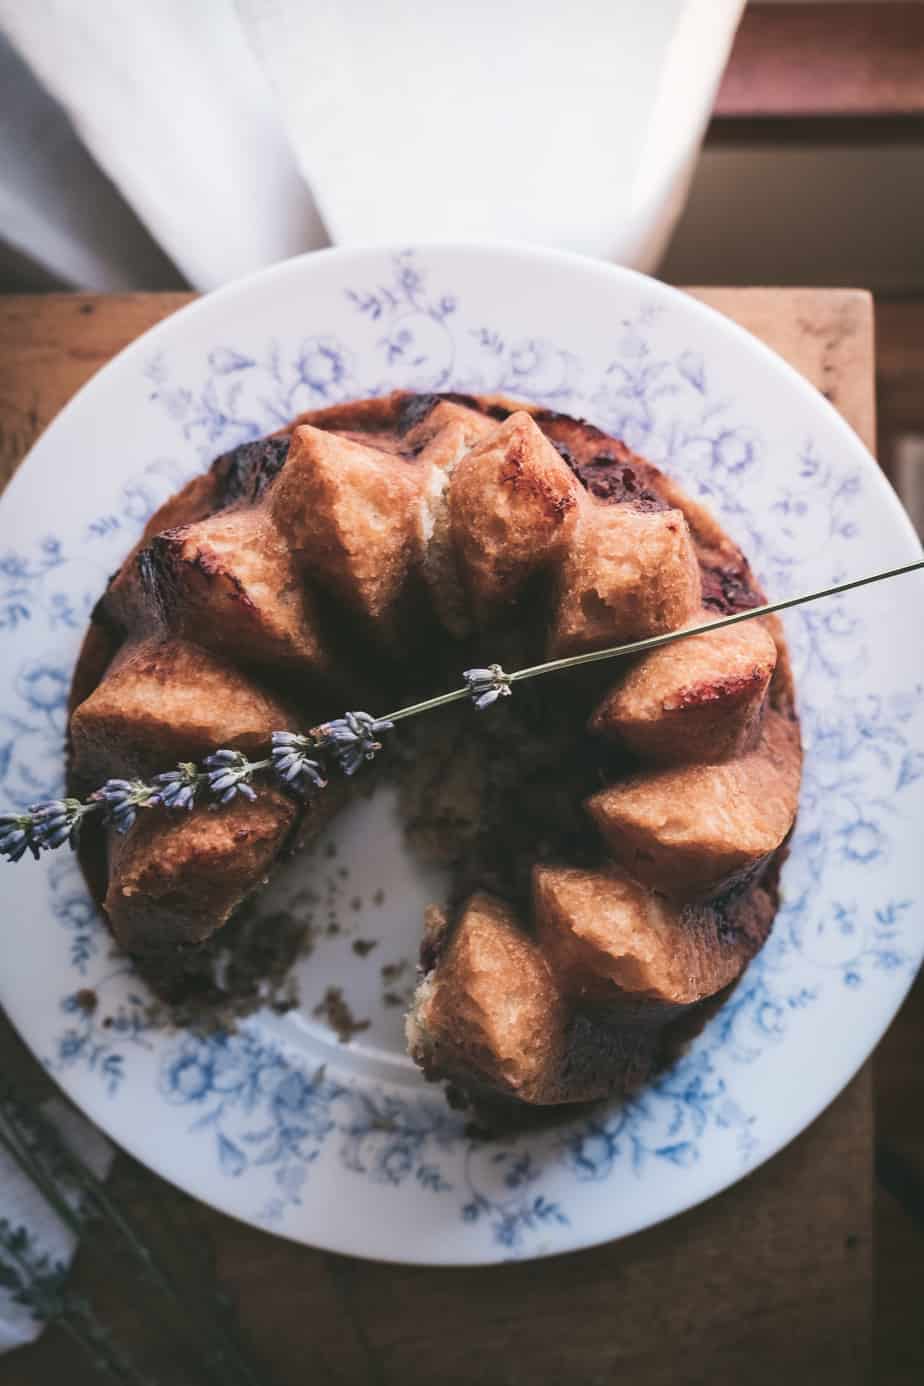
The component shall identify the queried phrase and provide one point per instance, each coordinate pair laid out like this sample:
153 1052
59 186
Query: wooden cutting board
769 1282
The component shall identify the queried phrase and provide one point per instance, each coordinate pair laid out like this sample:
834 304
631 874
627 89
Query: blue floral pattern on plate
272 1121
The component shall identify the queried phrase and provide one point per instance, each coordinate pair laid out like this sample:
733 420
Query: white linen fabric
239 134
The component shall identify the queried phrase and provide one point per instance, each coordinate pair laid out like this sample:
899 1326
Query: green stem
655 642
441 700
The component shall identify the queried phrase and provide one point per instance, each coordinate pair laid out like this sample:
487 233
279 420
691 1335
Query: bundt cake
615 831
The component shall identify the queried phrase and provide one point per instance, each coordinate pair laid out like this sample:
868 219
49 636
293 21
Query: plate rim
516 251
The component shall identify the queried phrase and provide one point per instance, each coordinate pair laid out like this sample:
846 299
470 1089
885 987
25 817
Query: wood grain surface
772 1279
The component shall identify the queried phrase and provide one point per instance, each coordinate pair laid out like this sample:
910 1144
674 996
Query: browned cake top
614 833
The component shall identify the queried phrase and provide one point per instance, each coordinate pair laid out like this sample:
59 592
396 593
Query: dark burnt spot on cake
149 564
619 483
414 410
246 471
157 573
730 587
582 438
605 467
499 412
480 406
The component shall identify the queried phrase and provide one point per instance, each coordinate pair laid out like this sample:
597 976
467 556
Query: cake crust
473 526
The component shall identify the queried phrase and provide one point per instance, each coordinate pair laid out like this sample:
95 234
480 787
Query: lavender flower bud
121 800
55 822
176 789
16 836
351 739
229 774
485 686
293 765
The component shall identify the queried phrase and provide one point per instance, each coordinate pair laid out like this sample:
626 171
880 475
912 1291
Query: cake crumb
335 1010
394 998
391 971
378 897
87 1000
356 903
362 947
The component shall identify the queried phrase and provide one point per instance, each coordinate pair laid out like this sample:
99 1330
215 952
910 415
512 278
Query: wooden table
850 70
771 1281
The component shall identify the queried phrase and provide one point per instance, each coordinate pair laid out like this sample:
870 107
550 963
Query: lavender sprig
57 821
351 739
298 760
177 788
230 773
487 685
16 836
292 763
121 800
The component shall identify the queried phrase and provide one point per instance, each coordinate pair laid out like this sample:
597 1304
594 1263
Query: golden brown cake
615 832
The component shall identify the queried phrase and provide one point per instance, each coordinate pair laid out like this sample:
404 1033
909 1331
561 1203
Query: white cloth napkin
23 1206
564 125
226 127
170 102
57 209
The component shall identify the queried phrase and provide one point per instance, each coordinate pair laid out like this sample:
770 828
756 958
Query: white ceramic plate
345 1147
